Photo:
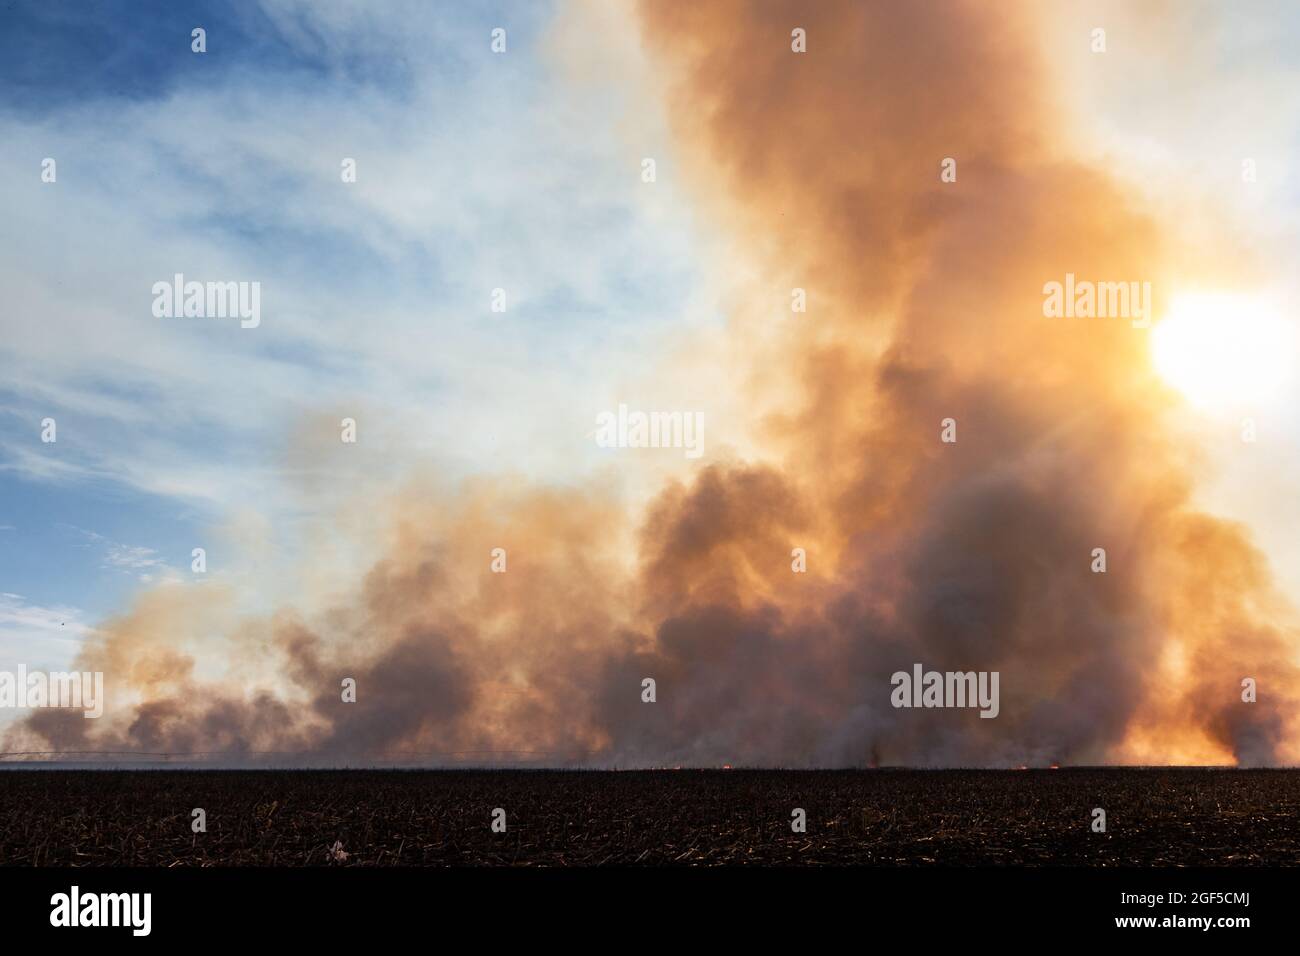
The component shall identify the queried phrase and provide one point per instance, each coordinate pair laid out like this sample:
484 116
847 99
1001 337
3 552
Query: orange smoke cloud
925 304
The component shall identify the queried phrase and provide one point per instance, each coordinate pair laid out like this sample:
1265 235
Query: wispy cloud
494 174
143 562
39 636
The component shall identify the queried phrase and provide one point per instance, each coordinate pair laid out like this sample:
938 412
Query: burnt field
685 818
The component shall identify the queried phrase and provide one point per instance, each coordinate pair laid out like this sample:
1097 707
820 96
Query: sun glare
1223 351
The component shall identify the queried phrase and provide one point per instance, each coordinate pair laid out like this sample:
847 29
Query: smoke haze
924 304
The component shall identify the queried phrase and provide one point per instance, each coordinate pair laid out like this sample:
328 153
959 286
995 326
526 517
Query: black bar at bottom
729 904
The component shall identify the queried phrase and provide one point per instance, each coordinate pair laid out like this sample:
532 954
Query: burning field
385 818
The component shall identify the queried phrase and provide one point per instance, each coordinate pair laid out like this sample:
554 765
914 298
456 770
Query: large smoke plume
925 303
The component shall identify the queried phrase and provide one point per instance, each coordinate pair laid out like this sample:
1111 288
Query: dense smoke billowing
924 304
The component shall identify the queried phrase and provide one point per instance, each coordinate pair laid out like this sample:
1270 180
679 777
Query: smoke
924 304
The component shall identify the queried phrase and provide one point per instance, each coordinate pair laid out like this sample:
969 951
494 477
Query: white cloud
39 637
490 172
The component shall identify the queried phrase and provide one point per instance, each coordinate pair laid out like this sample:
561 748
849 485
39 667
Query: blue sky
475 171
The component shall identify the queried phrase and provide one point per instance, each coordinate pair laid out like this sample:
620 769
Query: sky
518 177
476 171
1199 87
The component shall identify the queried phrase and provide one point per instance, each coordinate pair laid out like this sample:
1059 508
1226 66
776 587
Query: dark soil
688 818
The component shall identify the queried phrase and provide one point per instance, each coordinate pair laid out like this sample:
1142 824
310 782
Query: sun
1223 351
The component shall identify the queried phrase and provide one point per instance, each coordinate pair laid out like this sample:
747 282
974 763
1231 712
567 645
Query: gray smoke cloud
973 555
